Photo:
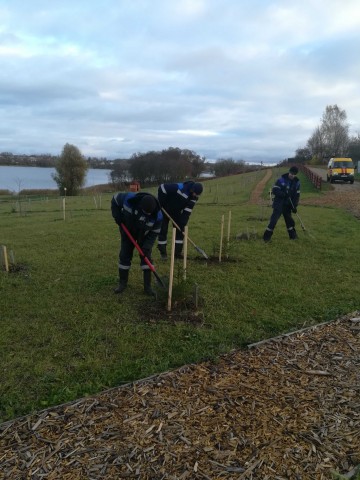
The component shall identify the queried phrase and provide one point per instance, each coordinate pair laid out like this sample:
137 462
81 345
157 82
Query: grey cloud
120 77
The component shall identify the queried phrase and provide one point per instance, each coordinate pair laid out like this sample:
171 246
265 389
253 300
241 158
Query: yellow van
340 169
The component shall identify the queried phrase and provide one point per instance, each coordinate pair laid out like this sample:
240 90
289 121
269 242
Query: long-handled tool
146 260
301 222
200 250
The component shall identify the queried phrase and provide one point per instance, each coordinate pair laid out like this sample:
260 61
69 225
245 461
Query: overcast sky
246 79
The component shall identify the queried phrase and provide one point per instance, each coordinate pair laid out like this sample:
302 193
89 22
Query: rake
301 222
200 250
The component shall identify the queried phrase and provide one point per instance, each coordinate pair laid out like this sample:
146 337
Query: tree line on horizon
150 168
330 139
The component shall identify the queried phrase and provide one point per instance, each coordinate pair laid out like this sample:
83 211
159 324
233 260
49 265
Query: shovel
200 250
146 260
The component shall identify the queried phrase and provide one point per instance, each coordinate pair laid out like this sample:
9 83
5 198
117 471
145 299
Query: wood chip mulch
338 198
287 408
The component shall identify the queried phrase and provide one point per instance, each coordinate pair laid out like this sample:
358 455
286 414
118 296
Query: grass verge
64 334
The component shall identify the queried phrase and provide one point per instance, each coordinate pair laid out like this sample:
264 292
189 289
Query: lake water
33 178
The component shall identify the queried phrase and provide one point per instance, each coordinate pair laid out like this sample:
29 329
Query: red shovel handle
146 260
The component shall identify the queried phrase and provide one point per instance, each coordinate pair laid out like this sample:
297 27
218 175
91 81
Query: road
338 186
343 195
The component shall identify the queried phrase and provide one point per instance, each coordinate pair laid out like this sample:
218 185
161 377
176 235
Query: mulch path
288 408
350 201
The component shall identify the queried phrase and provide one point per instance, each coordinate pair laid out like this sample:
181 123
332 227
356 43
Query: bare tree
335 131
354 148
316 145
119 174
303 155
331 138
170 165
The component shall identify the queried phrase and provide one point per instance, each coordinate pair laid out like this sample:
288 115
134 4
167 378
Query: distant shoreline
19 178
93 189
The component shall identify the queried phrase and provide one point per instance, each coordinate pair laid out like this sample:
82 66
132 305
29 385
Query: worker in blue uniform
178 201
141 214
286 193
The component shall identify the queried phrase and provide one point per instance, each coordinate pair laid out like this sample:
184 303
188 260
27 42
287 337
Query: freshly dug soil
287 408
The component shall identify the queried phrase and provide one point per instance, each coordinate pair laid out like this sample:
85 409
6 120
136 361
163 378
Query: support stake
6 262
172 262
221 237
185 249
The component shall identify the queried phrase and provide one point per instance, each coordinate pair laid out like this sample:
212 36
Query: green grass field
64 334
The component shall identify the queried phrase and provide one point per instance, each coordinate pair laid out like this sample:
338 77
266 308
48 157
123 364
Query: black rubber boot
292 234
123 280
147 284
267 235
162 250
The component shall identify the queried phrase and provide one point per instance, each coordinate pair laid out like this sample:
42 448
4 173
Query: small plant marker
229 227
6 263
221 236
185 249
172 262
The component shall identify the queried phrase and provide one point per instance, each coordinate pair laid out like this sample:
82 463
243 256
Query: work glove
118 217
147 253
294 210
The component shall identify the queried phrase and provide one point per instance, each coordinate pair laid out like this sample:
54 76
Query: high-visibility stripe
182 194
124 267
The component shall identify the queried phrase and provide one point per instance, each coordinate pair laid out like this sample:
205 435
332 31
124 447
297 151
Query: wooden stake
6 263
172 262
63 202
186 228
229 225
221 237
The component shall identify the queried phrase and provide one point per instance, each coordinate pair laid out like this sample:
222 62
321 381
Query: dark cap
294 170
198 188
148 204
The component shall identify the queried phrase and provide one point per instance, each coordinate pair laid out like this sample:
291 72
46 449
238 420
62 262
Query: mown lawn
64 334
